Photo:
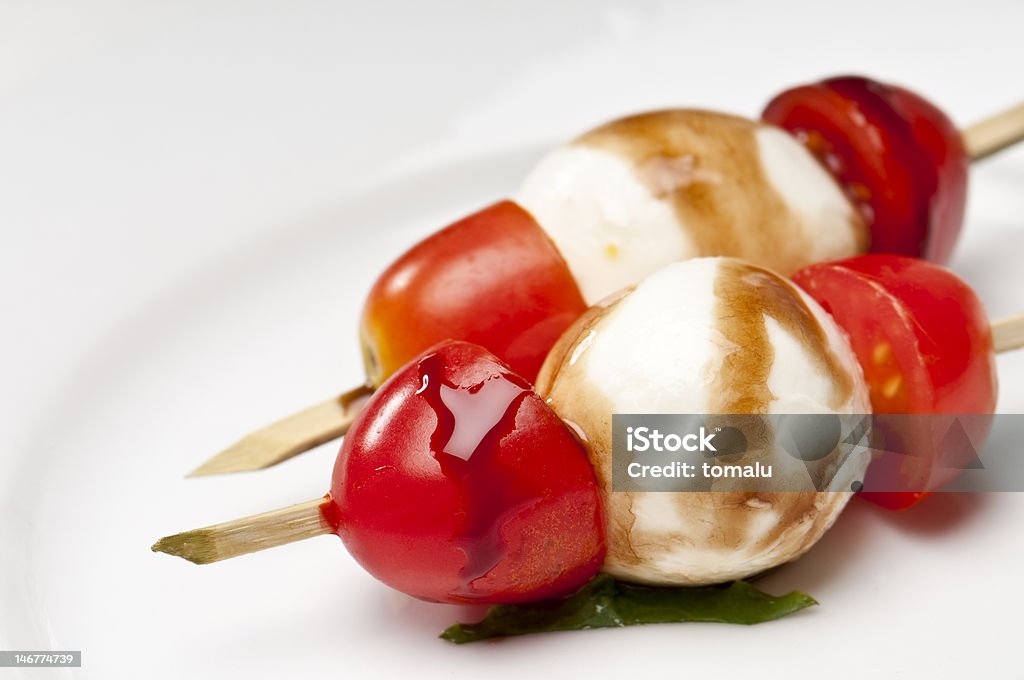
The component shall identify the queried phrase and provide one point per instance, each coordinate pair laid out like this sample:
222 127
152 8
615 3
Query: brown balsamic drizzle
708 165
741 385
745 296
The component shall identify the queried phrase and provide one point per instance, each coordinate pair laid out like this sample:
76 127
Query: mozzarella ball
707 336
634 195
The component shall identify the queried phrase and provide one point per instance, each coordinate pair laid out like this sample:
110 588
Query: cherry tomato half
493 278
900 159
457 483
924 342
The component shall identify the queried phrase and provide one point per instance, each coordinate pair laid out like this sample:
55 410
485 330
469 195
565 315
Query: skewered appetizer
458 483
631 196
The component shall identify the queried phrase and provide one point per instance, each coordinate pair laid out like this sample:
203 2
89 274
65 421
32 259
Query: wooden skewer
1008 333
994 134
328 420
248 534
289 436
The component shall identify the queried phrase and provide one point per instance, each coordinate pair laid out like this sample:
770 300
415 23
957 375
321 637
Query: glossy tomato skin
457 483
924 342
938 137
493 278
899 158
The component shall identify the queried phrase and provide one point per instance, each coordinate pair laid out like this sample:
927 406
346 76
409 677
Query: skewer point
248 534
194 546
289 436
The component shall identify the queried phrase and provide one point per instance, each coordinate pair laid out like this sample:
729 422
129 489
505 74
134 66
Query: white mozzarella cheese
710 335
629 197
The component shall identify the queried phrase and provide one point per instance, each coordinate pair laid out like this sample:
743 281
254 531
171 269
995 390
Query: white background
194 197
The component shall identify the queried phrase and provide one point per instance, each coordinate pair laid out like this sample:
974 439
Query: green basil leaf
607 603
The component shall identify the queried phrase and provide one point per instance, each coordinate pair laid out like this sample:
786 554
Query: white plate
158 314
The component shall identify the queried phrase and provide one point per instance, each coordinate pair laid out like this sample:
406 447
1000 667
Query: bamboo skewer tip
288 436
194 546
252 452
248 534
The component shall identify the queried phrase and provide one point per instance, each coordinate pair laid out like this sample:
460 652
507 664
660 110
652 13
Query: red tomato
900 159
493 278
924 343
457 483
